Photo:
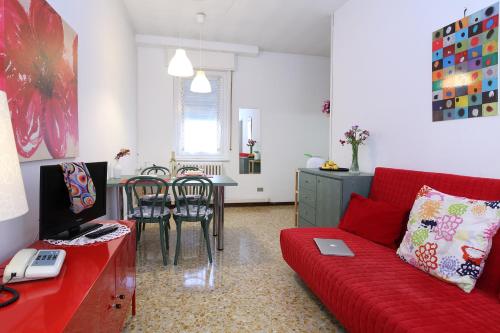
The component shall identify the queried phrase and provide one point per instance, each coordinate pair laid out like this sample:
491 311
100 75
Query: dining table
220 182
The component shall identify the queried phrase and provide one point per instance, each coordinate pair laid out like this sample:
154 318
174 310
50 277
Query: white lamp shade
180 65
12 196
200 83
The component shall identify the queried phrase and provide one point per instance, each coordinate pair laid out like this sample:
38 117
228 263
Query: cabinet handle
120 296
117 306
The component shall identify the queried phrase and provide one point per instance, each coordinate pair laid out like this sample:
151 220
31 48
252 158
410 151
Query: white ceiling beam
241 49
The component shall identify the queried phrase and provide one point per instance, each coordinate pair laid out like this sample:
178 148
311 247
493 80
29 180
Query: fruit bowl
334 170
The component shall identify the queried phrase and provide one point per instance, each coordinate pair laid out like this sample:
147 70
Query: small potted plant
355 136
117 170
251 143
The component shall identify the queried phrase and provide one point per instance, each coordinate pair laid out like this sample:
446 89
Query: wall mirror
249 142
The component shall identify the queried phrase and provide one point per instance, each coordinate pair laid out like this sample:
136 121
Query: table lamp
12 196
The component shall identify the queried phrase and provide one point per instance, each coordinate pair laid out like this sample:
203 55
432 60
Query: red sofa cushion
375 291
377 221
400 187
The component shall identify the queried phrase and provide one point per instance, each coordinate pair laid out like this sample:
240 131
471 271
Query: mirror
250 144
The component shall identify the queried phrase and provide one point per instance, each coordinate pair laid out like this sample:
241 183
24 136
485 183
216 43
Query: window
202 120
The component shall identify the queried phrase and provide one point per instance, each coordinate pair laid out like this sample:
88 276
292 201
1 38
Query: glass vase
117 170
354 165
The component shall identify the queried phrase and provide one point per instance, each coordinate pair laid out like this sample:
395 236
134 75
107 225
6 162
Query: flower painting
38 59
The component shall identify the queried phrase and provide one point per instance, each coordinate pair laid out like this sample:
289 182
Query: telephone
32 264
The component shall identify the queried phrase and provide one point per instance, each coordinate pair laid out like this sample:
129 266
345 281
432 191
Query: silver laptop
333 247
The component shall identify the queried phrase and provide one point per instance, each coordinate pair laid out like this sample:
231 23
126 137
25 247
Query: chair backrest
182 170
134 187
200 203
156 170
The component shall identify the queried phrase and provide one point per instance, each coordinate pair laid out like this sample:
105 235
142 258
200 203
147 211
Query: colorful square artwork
465 67
38 71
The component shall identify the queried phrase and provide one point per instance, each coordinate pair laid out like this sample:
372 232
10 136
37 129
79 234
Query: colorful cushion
450 237
377 221
81 189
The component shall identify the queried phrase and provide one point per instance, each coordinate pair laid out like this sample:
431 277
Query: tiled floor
248 288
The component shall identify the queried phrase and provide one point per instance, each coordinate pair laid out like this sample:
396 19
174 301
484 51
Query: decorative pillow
450 237
377 221
81 189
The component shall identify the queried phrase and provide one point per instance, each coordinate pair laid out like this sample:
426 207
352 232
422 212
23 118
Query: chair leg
138 229
162 242
167 235
178 243
205 227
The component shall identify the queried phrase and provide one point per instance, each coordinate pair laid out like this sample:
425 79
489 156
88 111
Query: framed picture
465 67
38 71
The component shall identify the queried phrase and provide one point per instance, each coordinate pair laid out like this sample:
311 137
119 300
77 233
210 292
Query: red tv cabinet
92 293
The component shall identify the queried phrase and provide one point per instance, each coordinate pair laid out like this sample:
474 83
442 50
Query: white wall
106 100
287 89
382 81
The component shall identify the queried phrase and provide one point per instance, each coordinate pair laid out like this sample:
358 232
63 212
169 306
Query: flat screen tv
57 221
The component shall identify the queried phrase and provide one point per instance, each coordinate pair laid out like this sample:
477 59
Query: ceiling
290 26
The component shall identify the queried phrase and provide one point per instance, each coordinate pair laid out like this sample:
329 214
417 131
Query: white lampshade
180 65
200 83
12 196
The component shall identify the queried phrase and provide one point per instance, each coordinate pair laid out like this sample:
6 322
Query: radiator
210 168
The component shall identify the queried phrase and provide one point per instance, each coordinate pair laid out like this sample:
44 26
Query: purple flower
355 136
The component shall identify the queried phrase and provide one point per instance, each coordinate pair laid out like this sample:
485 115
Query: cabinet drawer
308 197
307 182
307 213
305 224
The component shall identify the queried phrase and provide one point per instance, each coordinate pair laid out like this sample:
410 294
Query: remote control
101 232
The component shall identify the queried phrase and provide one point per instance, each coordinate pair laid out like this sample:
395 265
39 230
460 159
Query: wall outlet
260 189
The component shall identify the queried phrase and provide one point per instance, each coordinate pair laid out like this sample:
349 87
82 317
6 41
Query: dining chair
192 194
155 212
192 211
155 170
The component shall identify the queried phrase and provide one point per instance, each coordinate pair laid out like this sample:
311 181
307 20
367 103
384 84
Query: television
57 221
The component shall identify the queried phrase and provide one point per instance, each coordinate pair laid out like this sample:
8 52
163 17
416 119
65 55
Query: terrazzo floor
248 288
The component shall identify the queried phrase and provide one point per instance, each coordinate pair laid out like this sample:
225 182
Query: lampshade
200 83
12 196
180 65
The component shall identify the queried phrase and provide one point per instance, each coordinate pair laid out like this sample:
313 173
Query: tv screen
56 218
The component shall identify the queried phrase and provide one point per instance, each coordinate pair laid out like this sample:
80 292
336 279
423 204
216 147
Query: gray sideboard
324 195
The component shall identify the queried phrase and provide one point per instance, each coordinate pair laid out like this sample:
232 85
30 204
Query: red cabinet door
97 307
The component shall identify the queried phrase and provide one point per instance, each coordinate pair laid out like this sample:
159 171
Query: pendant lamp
200 83
180 65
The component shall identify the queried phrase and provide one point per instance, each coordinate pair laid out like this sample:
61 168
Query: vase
354 165
117 170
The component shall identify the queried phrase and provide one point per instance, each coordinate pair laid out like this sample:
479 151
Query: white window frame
225 120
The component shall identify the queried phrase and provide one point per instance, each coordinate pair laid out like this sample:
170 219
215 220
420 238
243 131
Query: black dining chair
155 212
192 194
192 211
155 170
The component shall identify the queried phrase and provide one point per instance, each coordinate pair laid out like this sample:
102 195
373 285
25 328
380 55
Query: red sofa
375 291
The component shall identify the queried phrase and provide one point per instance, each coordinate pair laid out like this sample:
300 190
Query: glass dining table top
218 180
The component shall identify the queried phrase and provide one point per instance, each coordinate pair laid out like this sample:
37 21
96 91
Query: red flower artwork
426 256
39 57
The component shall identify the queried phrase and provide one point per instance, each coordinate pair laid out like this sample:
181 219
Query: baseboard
253 204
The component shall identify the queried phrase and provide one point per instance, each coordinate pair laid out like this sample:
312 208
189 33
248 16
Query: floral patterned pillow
450 237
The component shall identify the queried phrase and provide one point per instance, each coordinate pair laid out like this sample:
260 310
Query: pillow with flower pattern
450 237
